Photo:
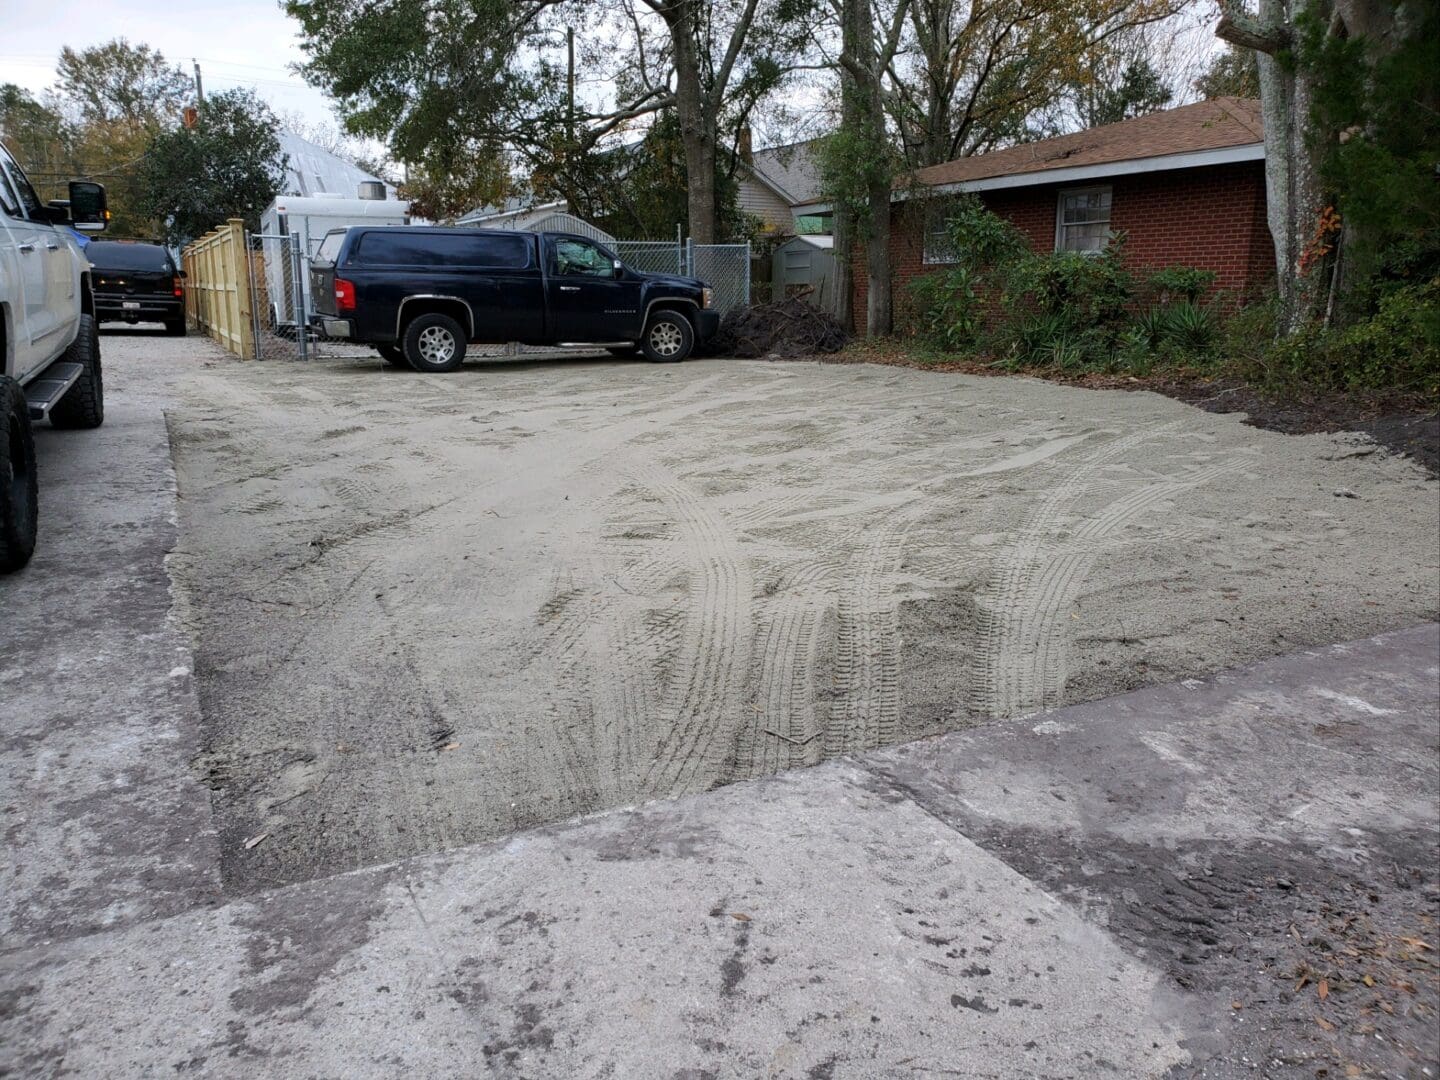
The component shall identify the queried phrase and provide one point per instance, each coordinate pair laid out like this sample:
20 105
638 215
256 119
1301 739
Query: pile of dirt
789 328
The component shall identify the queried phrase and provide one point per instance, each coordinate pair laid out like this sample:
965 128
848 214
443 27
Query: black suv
418 294
137 281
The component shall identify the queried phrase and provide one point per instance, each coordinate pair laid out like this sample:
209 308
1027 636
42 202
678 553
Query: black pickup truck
136 280
418 294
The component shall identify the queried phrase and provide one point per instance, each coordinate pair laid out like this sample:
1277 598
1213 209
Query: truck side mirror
619 268
89 211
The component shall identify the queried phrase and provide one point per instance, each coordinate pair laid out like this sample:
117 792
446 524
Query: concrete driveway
429 612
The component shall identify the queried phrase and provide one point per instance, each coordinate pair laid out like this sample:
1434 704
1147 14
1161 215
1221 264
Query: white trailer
312 216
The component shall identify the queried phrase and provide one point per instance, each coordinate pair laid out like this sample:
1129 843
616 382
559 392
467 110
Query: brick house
1186 186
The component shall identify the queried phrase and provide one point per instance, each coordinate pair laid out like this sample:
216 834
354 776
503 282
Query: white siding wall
755 198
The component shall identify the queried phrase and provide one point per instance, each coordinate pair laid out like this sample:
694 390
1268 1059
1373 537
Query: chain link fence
277 272
652 256
725 268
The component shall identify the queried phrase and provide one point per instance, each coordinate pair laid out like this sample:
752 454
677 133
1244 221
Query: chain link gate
278 270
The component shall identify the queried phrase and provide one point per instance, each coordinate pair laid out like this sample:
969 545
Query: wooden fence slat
218 297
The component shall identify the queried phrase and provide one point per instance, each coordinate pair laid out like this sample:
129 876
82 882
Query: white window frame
935 254
1091 189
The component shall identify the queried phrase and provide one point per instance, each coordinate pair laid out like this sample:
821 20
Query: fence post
244 329
254 307
297 264
689 268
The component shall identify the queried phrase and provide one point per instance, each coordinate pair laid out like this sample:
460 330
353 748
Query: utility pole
199 86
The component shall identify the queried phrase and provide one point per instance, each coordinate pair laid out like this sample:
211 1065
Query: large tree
1350 91
463 89
41 139
132 86
228 165
1131 88
971 76
108 102
1231 72
859 161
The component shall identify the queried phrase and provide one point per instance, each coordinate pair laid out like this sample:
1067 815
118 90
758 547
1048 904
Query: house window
1083 220
938 248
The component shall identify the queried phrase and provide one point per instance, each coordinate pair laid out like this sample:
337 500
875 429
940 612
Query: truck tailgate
322 287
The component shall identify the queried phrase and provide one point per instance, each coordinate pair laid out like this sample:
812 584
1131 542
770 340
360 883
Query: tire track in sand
1022 638
704 698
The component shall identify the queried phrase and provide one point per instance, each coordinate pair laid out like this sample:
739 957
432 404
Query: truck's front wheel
434 342
19 494
669 338
83 405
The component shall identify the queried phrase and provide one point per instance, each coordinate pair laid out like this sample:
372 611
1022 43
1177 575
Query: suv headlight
707 296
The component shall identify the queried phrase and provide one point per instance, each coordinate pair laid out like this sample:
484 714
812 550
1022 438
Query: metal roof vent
374 190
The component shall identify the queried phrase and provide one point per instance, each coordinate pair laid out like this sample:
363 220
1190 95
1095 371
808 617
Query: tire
434 342
393 356
669 338
83 405
19 494
175 329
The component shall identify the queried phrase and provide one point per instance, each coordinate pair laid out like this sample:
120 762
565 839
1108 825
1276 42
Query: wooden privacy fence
217 287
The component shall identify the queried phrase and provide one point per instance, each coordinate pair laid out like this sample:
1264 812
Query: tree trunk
697 126
879 307
844 248
1294 197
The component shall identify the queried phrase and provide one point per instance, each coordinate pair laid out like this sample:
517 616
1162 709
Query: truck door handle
52 247
569 288
27 248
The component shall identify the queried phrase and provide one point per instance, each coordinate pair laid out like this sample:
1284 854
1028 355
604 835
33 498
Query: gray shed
805 262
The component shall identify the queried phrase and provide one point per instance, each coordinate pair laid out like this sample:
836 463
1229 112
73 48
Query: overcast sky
247 43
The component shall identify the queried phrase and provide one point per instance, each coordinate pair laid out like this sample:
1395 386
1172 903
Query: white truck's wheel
19 494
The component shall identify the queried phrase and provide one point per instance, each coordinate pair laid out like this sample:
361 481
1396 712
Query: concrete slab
834 922
801 926
104 825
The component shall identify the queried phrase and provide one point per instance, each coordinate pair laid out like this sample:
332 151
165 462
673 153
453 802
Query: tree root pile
787 328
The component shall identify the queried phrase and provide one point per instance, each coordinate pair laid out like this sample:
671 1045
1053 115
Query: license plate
130 305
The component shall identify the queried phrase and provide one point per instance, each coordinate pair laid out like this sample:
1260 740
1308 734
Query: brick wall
1212 218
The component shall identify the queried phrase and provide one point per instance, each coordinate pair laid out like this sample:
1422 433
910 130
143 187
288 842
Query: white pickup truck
49 347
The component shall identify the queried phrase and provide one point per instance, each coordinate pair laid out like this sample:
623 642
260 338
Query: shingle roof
1206 125
792 169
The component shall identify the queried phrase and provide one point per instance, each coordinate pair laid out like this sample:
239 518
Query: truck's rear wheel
434 342
19 493
83 405
669 338
176 328
393 356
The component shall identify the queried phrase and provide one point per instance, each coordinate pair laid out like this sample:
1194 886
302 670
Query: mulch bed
1404 423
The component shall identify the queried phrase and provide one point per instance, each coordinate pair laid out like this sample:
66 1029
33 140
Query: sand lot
432 610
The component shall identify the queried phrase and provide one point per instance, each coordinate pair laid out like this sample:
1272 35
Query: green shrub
1135 352
1397 348
1180 283
1062 309
946 307
1151 326
1191 328
951 303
